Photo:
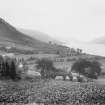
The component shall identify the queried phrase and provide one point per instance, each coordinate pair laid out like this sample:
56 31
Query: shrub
87 68
47 68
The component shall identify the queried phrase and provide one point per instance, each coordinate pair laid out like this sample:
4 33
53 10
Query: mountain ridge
8 32
40 36
11 36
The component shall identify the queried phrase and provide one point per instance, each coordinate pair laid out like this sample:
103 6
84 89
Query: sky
82 20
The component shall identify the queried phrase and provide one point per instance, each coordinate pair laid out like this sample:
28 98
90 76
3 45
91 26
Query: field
19 56
60 64
51 92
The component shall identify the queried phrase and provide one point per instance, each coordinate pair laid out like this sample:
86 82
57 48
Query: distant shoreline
95 49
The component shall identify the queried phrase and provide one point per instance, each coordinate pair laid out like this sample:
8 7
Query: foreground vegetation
51 92
48 91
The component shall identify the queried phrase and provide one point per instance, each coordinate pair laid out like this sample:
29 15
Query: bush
90 69
47 68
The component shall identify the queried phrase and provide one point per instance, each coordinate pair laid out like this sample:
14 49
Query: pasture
51 92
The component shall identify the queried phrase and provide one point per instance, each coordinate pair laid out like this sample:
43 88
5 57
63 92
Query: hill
40 36
11 36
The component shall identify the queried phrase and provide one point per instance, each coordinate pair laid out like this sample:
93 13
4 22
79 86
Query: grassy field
51 92
72 59
36 56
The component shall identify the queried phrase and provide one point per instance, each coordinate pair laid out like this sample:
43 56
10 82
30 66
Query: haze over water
95 49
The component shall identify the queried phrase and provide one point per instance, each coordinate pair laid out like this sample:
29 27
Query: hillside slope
10 36
40 36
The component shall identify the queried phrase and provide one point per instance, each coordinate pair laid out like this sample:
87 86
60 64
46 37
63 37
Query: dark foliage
91 69
8 68
48 71
46 68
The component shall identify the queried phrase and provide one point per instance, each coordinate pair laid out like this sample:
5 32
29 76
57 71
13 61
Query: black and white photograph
52 52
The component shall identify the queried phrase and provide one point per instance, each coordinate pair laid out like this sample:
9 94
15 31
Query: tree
79 66
91 69
46 68
8 68
12 73
95 69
